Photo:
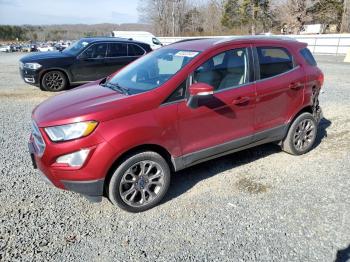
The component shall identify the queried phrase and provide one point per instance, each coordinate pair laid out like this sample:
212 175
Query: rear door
280 85
117 57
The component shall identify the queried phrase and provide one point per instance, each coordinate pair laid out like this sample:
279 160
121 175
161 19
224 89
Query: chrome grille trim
39 143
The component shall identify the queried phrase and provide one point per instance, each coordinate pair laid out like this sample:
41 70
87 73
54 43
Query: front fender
154 127
65 71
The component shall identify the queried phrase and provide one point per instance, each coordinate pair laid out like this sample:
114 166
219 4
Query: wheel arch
140 148
308 107
54 69
305 109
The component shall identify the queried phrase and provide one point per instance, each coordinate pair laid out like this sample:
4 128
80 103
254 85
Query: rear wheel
54 81
140 182
301 135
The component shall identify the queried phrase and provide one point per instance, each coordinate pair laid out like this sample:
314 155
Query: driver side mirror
198 91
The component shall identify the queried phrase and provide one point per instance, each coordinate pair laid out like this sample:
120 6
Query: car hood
44 55
88 102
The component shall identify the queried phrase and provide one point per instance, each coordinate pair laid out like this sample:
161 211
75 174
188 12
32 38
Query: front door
90 65
225 120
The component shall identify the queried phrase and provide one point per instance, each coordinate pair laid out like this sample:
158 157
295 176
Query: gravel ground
256 205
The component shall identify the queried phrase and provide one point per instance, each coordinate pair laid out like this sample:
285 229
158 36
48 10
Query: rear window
274 61
309 58
135 50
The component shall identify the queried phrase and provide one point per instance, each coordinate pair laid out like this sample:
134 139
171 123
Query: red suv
180 105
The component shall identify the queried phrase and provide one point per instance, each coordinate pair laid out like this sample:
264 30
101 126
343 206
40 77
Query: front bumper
92 190
87 180
30 76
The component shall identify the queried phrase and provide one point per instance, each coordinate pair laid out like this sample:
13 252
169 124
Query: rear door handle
295 85
241 101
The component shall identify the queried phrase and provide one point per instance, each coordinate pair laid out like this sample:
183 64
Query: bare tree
345 23
212 13
164 15
294 14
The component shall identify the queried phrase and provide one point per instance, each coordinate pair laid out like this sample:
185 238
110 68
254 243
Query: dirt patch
251 187
24 95
338 135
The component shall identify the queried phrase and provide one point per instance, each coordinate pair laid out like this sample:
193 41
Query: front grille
39 143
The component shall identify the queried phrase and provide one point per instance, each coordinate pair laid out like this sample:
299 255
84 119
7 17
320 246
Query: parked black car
86 60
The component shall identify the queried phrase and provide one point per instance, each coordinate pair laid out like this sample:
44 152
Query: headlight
33 66
70 131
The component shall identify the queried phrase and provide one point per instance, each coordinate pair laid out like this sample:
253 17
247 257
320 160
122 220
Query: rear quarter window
135 50
307 55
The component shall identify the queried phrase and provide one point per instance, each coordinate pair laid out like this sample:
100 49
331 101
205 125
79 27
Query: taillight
320 78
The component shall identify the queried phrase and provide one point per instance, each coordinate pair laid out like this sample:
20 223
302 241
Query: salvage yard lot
260 204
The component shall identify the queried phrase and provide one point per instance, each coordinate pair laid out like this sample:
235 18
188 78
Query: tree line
203 17
216 17
62 32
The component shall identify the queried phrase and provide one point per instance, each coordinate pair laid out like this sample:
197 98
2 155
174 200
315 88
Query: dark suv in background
86 60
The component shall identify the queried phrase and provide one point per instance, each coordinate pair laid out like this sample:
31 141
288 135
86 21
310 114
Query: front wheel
301 135
54 81
140 182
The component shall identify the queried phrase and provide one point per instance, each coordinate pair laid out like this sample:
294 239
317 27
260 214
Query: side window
95 51
225 70
117 50
135 50
274 61
178 94
219 59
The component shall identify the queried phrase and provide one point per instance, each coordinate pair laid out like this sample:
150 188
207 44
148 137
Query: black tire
54 81
301 135
128 178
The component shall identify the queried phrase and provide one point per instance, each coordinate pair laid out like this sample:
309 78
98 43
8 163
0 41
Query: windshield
75 48
152 70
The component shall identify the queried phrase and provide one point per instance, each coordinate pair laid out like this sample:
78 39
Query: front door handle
295 85
241 101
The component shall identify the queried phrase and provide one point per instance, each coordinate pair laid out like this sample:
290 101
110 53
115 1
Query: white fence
337 44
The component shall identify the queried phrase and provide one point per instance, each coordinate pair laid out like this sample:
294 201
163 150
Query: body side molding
267 136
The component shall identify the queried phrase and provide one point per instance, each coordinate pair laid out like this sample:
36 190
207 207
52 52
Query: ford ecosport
122 136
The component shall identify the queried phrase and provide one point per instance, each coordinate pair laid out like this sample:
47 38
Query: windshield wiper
116 87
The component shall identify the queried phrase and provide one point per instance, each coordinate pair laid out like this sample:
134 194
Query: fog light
75 159
29 79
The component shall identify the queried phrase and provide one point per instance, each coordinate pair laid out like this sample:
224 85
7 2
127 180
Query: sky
46 12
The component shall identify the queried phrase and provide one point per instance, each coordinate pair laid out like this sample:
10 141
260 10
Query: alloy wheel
141 183
304 134
54 81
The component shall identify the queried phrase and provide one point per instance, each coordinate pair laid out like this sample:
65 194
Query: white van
141 36
313 29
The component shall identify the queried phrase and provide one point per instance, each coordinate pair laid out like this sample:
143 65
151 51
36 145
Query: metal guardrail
337 44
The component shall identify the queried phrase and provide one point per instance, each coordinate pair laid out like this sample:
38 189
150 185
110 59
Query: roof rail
252 37
98 36
189 39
